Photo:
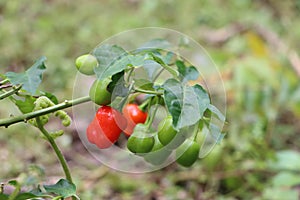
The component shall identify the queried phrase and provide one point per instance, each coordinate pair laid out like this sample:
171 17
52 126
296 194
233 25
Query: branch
58 152
25 117
5 86
10 92
2 82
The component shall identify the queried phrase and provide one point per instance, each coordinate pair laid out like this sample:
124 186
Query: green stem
197 131
25 94
129 74
158 74
5 86
10 92
25 117
59 154
4 81
147 91
149 121
144 104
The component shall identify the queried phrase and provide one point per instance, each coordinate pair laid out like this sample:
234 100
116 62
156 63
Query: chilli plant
127 103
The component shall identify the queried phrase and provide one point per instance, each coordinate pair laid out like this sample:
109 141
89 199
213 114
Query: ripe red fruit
106 127
96 136
134 115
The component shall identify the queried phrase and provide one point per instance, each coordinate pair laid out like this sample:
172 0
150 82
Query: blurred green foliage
259 158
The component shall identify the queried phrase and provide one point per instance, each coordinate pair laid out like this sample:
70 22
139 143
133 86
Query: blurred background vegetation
253 42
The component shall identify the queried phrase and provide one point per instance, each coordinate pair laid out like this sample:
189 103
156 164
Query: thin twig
10 92
5 86
58 152
25 117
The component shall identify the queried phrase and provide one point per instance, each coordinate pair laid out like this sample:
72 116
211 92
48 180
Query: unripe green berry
98 92
85 64
187 154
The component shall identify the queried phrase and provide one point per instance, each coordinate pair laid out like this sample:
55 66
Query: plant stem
144 104
129 74
147 91
59 154
10 92
5 86
4 81
150 120
158 74
25 117
197 131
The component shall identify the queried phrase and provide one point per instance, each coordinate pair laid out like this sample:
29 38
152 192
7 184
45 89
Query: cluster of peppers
108 124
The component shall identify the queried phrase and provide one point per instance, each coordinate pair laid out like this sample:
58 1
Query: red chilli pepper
134 116
106 127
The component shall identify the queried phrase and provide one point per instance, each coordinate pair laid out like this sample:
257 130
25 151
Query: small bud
56 134
66 121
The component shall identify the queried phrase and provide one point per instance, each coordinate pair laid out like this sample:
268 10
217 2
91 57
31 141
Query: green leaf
203 98
216 133
184 103
119 102
168 58
31 78
143 84
217 112
156 44
51 96
107 53
119 65
13 183
27 105
63 188
160 61
151 67
117 86
114 81
187 73
37 191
